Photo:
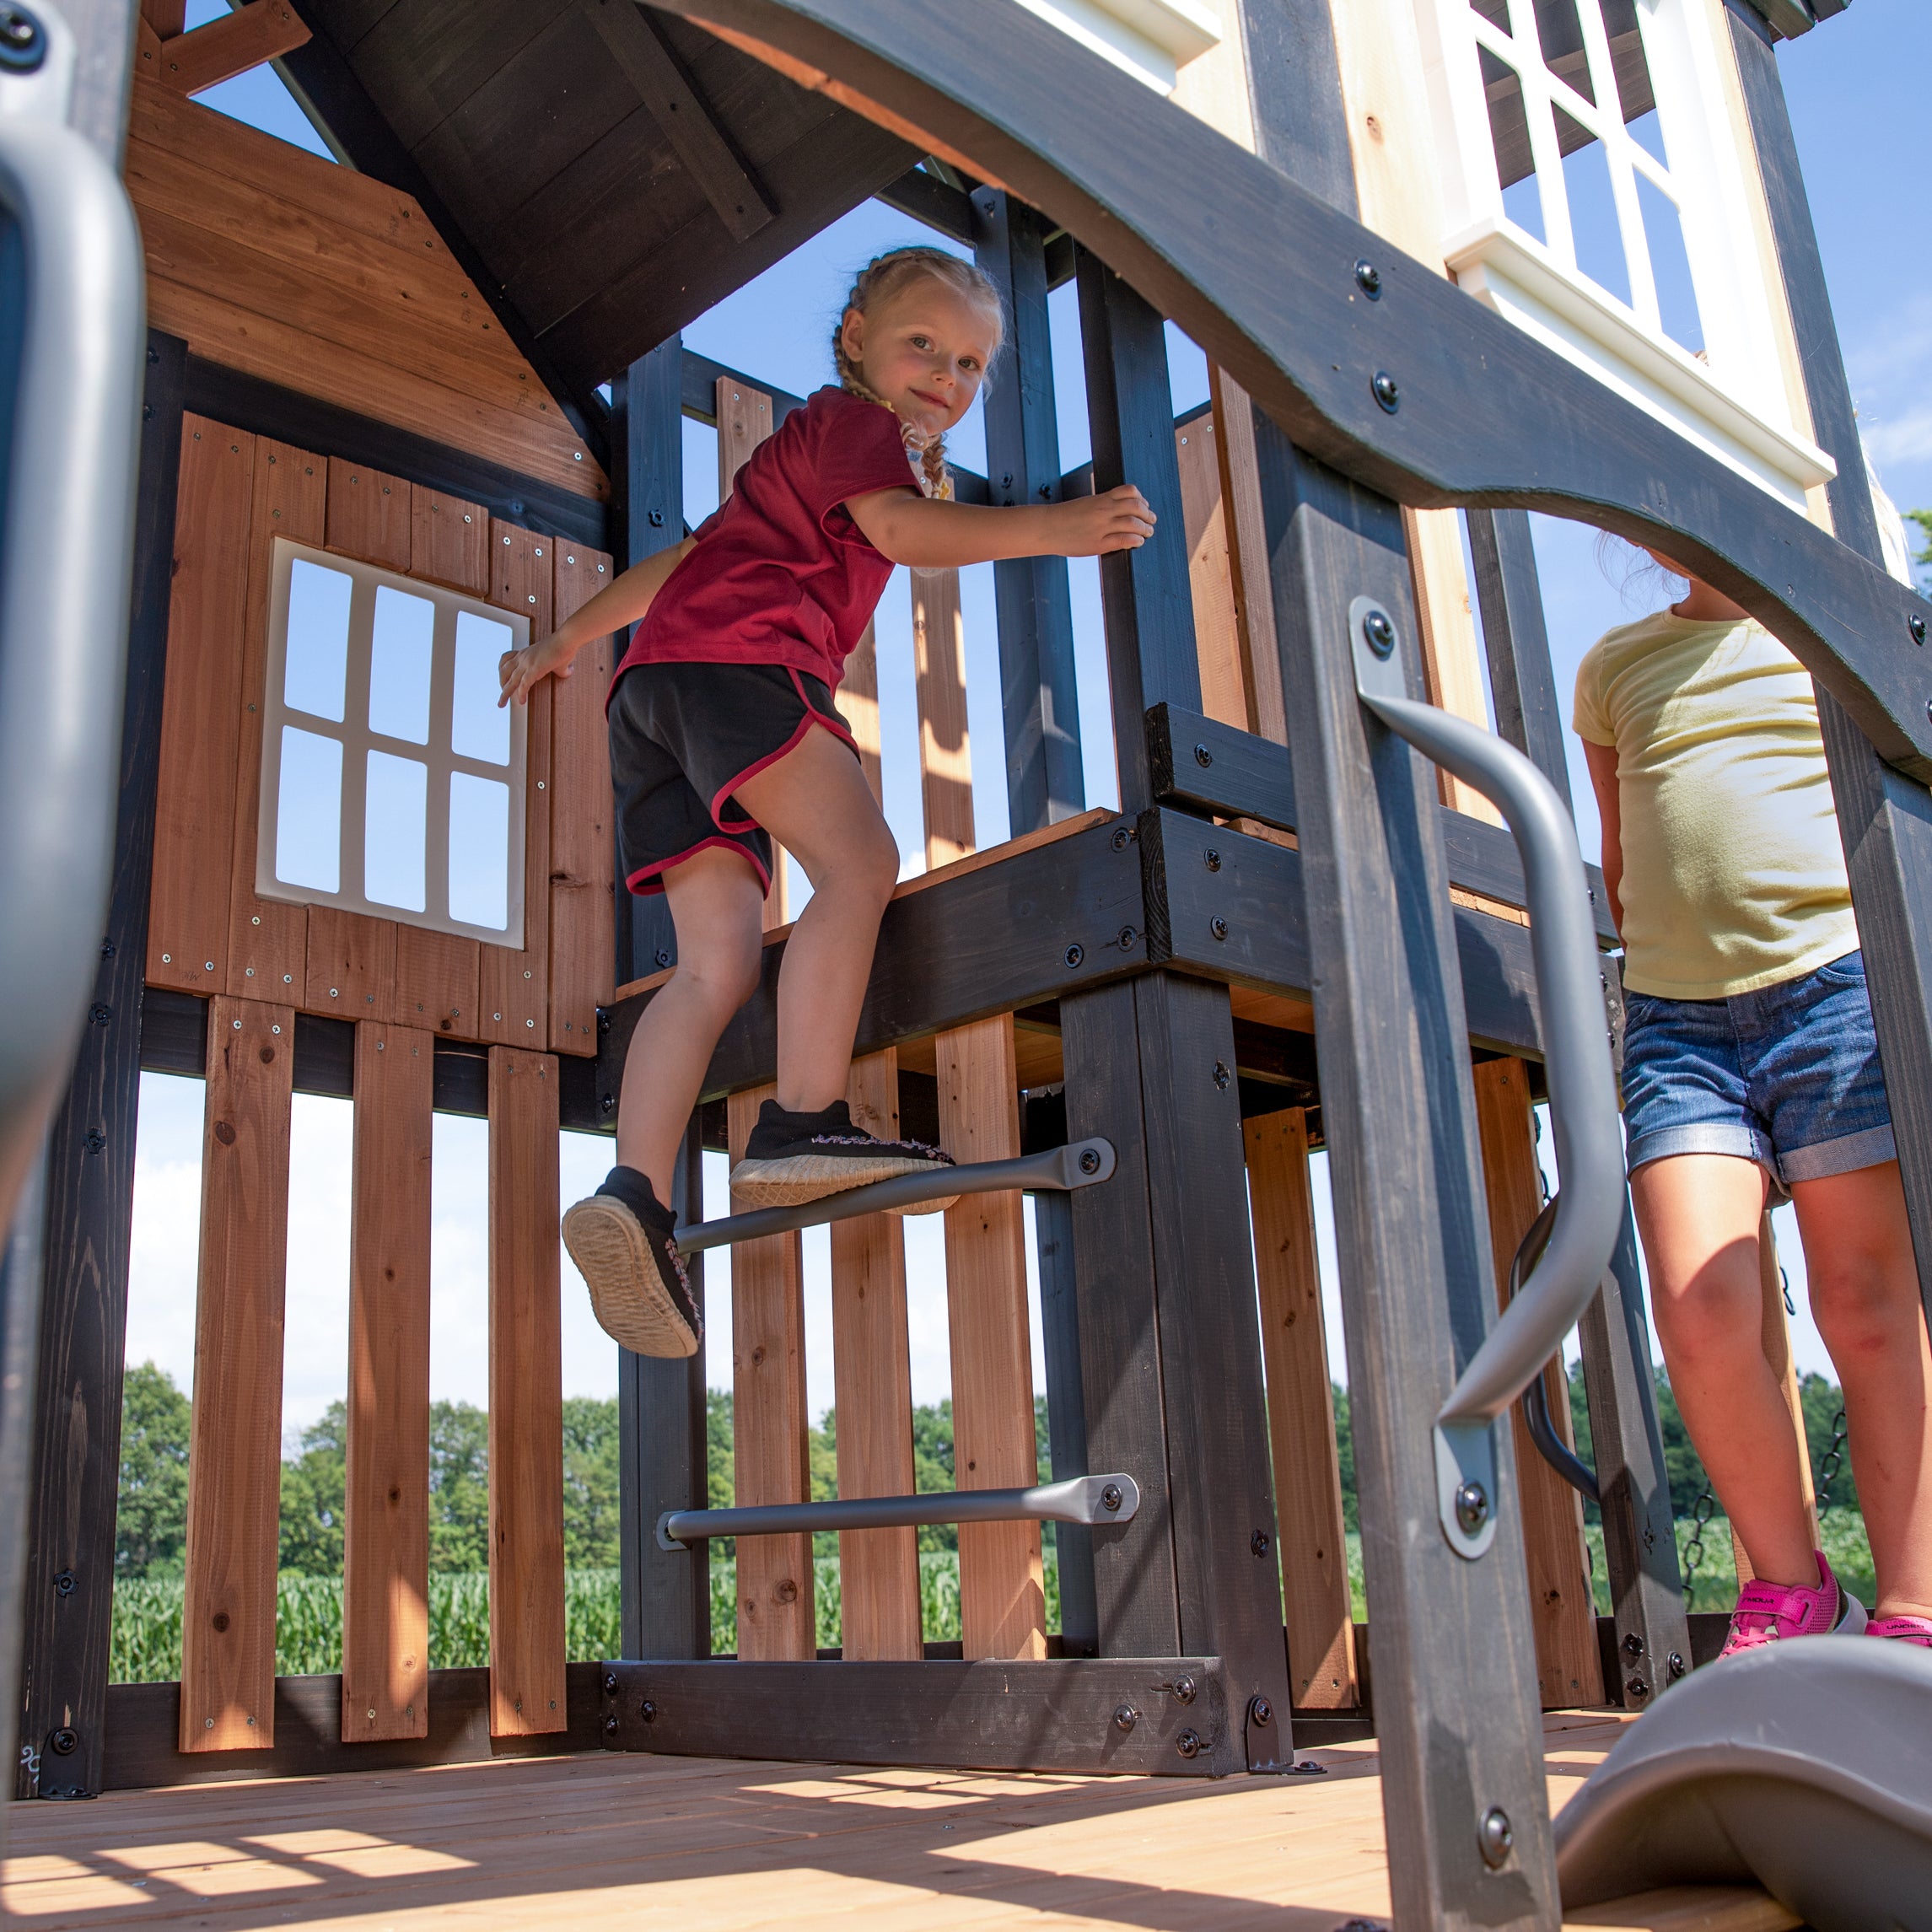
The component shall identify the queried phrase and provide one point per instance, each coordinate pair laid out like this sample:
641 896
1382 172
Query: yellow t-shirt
1733 875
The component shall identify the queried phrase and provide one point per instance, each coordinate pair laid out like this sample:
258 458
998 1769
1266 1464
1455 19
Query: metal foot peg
1080 1499
1058 1169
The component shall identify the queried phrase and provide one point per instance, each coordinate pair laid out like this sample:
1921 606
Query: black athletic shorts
683 737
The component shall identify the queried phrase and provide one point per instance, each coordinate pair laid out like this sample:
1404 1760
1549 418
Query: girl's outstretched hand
1091 526
520 672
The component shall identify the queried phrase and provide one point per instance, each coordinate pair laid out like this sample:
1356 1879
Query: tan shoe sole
631 1304
813 1176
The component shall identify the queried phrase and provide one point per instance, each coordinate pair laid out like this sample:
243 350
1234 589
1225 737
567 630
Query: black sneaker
620 1240
792 1158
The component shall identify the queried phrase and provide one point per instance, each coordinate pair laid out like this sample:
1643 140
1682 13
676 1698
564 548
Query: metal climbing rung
1083 1164
1079 1499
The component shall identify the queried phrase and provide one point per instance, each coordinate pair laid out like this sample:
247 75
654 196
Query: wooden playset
441 383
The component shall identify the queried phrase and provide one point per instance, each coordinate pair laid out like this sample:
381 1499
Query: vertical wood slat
1247 554
268 939
187 927
1774 1339
1562 1610
945 750
744 421
369 514
1451 657
526 1399
385 1545
859 702
450 540
879 1570
1002 1604
770 1421
1311 1538
515 985
582 905
1210 572
234 1459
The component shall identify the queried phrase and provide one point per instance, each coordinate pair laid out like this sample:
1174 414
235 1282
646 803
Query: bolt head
647 1711
1369 280
66 1584
610 1727
1111 1496
1675 1664
1222 1076
1075 954
64 1741
1917 625
1126 1717
1184 1688
1125 938
610 1683
1188 1744
1218 927
1637 1687
1261 1542
1202 757
1387 393
1380 633
1260 1711
657 519
1213 859
1472 1508
1632 1645
1119 841
1494 1837
1091 1161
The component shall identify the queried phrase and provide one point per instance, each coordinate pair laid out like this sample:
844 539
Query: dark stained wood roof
605 172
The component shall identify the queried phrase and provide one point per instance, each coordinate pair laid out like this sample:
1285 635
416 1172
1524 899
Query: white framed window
1151 40
1594 196
392 784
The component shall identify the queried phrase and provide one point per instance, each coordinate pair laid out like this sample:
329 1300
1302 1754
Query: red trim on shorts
790 744
648 878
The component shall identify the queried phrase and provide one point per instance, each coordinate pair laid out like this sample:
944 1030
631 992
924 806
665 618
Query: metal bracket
1094 1500
1376 646
1466 1494
1058 1169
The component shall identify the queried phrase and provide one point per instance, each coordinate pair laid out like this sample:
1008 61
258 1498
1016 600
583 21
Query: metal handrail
1058 1169
1093 1500
1576 1062
66 561
1550 1445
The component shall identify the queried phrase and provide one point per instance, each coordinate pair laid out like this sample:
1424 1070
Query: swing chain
1830 1462
1694 1548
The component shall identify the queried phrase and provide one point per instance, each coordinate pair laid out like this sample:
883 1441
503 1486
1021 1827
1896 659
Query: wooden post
1312 1540
1217 629
527 1400
1775 1340
65 1633
770 1425
945 753
385 1544
1003 1610
858 700
234 1461
872 1366
1563 1611
1515 639
1247 555
1039 699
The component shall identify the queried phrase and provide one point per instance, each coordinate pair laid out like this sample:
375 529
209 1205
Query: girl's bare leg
716 906
1698 1214
815 801
1865 1296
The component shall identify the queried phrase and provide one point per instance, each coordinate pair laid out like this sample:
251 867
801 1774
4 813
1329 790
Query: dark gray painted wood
1528 712
1883 819
1066 1414
69 1603
1033 603
1455 1664
666 1594
1295 88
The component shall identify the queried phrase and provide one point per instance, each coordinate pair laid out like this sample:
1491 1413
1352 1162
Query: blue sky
1856 89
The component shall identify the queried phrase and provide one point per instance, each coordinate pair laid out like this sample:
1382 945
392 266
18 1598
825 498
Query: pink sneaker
1902 1630
1767 1611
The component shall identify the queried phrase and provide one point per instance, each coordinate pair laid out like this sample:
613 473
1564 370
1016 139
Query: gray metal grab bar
1058 1169
1576 1062
66 558
1094 1499
1550 1445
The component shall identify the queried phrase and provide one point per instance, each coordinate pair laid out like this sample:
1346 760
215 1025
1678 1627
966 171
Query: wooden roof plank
263 30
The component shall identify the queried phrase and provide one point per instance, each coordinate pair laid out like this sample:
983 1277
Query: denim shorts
1788 1076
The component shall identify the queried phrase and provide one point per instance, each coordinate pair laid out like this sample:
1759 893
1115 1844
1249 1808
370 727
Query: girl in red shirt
723 736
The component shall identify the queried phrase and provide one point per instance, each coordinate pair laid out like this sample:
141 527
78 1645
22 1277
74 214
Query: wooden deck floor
725 1843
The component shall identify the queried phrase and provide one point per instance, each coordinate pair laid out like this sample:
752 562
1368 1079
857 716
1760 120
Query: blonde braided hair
880 279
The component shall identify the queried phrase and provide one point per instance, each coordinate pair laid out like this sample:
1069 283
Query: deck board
727 1845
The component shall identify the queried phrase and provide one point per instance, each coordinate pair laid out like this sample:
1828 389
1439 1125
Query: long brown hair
882 278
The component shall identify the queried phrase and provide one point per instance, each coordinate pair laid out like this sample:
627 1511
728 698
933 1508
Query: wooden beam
1311 1540
1210 573
526 1399
1247 554
879 1570
700 143
264 30
234 1459
770 1425
1002 1606
385 1548
1562 1613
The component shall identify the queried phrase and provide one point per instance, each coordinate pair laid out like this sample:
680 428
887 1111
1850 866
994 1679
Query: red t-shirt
780 574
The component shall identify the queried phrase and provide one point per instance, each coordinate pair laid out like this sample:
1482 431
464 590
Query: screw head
1184 1688
1380 632
1222 1075
1632 1645
1120 838
1494 1836
1917 626
1369 280
1387 391
1471 1508
1111 1496
647 1711
1212 859
94 1140
1188 1744
64 1741
66 1584
1075 954
1218 927
610 1683
1202 757
1126 1717
1637 1687
1124 938
1261 1542
1260 1711
657 519
1091 1161
23 44
1675 1665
